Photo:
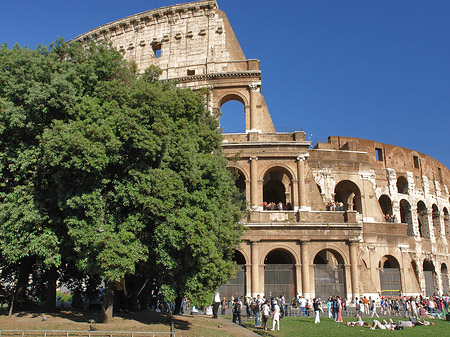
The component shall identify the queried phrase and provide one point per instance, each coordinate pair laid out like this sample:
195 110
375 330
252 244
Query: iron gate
390 282
444 282
329 280
429 282
235 287
279 280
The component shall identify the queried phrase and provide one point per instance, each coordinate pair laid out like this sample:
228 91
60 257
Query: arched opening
422 218
277 189
430 278
390 276
444 277
348 193
237 286
329 276
232 114
239 179
436 215
406 216
402 185
279 274
386 207
446 221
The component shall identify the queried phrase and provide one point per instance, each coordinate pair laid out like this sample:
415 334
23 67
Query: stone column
301 182
298 279
255 269
254 123
353 246
254 183
306 290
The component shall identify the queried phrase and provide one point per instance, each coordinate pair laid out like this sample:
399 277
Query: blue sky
375 69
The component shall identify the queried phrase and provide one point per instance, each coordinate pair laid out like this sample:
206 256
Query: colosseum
350 216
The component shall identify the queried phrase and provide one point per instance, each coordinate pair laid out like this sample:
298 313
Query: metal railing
80 333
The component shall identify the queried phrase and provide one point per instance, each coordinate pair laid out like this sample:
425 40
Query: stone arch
429 272
349 194
390 280
279 247
279 273
333 248
278 186
238 285
422 218
436 216
329 274
444 278
236 116
446 221
406 216
402 185
386 207
241 178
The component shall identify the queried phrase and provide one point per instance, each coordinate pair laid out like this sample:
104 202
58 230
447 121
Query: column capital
254 87
304 242
302 157
253 158
254 241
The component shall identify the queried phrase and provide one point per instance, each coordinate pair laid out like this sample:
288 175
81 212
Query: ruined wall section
183 40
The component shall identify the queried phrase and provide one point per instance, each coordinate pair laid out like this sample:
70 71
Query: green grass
296 326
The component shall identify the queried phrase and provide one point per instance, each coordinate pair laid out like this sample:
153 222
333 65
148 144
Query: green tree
110 171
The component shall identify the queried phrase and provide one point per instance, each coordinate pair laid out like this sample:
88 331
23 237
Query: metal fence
78 333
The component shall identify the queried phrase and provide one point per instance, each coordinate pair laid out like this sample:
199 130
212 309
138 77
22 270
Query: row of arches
424 226
330 277
278 187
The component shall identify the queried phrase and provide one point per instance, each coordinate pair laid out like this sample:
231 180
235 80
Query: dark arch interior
389 262
238 257
279 257
348 193
385 204
274 191
443 268
402 185
239 179
428 266
328 257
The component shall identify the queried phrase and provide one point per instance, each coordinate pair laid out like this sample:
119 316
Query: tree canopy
112 171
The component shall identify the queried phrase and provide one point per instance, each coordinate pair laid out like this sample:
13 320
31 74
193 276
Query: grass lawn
296 326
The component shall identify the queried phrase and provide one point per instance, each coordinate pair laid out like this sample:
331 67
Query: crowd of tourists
335 206
413 308
272 206
389 218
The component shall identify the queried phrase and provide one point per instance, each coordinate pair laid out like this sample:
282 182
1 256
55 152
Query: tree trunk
52 276
20 296
178 302
108 302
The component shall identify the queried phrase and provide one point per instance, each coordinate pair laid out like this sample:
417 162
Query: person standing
237 311
224 306
340 306
276 316
316 306
266 313
216 304
257 311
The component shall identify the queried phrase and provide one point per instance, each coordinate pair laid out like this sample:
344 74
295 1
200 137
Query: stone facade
391 235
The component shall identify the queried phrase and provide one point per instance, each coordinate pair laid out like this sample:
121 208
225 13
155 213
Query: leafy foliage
109 170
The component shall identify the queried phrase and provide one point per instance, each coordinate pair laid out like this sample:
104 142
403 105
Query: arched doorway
436 215
446 221
279 274
422 218
386 207
278 187
232 114
430 277
239 179
237 286
349 194
390 281
406 216
329 276
402 185
444 277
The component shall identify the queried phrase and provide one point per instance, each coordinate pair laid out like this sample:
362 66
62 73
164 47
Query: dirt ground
198 325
